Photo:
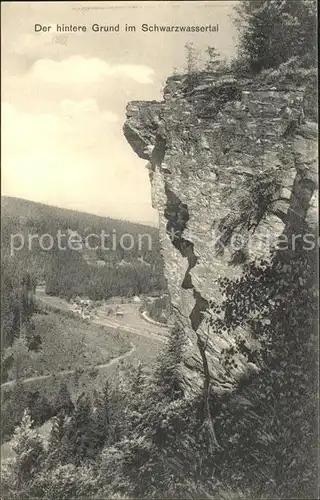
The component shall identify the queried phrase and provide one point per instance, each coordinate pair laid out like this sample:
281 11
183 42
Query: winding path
131 322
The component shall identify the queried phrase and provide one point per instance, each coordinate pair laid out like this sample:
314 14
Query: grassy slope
25 210
68 343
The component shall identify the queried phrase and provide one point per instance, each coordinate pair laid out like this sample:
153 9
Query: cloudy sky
64 98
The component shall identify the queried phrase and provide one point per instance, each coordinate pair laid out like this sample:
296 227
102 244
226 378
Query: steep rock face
232 166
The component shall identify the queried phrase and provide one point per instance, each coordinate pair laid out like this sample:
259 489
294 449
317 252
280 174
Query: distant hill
95 272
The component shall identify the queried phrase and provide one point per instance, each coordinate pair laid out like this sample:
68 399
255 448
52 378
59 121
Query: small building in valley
119 312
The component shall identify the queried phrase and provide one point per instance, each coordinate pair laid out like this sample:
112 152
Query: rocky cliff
232 166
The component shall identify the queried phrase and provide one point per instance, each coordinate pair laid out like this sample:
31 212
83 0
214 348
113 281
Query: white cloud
41 150
78 69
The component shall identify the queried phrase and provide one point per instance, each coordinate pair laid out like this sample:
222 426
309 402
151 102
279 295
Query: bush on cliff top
272 32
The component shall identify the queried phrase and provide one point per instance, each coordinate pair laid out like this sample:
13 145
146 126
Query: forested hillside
67 272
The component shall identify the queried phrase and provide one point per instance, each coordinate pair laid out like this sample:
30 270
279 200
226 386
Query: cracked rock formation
233 166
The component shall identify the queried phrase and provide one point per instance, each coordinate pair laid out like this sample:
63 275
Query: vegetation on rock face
273 414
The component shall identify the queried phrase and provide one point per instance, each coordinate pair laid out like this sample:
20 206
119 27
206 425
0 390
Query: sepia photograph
159 250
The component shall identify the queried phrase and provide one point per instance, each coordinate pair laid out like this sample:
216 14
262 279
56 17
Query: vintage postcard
159 298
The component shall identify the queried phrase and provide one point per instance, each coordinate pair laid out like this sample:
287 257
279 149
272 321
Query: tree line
270 33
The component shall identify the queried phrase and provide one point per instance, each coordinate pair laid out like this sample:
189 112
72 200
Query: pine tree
80 427
63 402
12 409
33 339
138 379
191 65
19 355
101 424
10 305
137 394
58 451
40 410
19 401
167 373
57 431
27 297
